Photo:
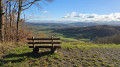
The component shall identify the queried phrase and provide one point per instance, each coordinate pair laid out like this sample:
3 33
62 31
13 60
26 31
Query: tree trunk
5 30
18 20
10 21
1 22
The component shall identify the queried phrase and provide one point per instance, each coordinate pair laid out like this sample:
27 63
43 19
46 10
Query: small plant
94 56
9 64
82 58
100 59
48 58
69 49
114 59
25 58
85 63
44 62
37 63
88 59
66 56
109 65
76 65
73 62
102 63
107 56
95 64
60 59
56 57
87 52
68 59
73 56
94 59
88 55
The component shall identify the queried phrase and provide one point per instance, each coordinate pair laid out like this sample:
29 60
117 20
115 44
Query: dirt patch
106 57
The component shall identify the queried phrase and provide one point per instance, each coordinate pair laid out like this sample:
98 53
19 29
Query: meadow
72 54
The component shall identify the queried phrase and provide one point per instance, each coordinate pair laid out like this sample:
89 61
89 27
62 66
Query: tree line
12 27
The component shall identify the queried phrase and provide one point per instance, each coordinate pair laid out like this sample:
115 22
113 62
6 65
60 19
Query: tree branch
6 2
30 3
27 7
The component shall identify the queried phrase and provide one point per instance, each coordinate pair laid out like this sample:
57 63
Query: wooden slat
44 46
43 42
43 39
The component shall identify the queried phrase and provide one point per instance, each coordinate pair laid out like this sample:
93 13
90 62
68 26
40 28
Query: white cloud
81 15
42 17
44 12
73 14
32 17
93 17
67 16
29 17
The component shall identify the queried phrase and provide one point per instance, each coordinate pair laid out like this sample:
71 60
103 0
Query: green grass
68 39
22 56
82 44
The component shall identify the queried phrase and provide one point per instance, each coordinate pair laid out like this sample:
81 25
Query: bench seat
57 46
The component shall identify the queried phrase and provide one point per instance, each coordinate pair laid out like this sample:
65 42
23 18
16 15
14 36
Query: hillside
59 25
75 30
51 24
89 32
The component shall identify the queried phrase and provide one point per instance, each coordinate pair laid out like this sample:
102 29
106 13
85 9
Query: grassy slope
88 32
72 54
80 32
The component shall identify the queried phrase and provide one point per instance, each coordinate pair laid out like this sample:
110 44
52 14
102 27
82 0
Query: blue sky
77 10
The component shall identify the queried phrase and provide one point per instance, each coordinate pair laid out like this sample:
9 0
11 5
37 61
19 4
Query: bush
115 39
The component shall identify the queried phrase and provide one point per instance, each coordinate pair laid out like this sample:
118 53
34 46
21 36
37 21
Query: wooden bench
51 41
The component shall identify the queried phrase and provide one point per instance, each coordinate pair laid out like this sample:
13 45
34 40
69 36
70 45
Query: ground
72 54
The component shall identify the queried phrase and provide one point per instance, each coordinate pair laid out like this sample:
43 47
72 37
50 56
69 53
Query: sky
75 10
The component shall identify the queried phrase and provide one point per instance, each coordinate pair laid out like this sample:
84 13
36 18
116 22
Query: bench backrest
35 40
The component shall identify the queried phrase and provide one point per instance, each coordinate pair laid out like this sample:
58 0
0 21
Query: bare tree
10 7
1 21
10 20
23 5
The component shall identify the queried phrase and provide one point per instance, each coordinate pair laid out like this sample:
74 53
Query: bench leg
35 50
53 50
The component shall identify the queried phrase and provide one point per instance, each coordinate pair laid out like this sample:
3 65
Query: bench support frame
36 50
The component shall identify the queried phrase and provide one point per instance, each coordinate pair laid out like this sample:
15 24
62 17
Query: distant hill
48 25
89 32
76 30
60 25
67 25
82 24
